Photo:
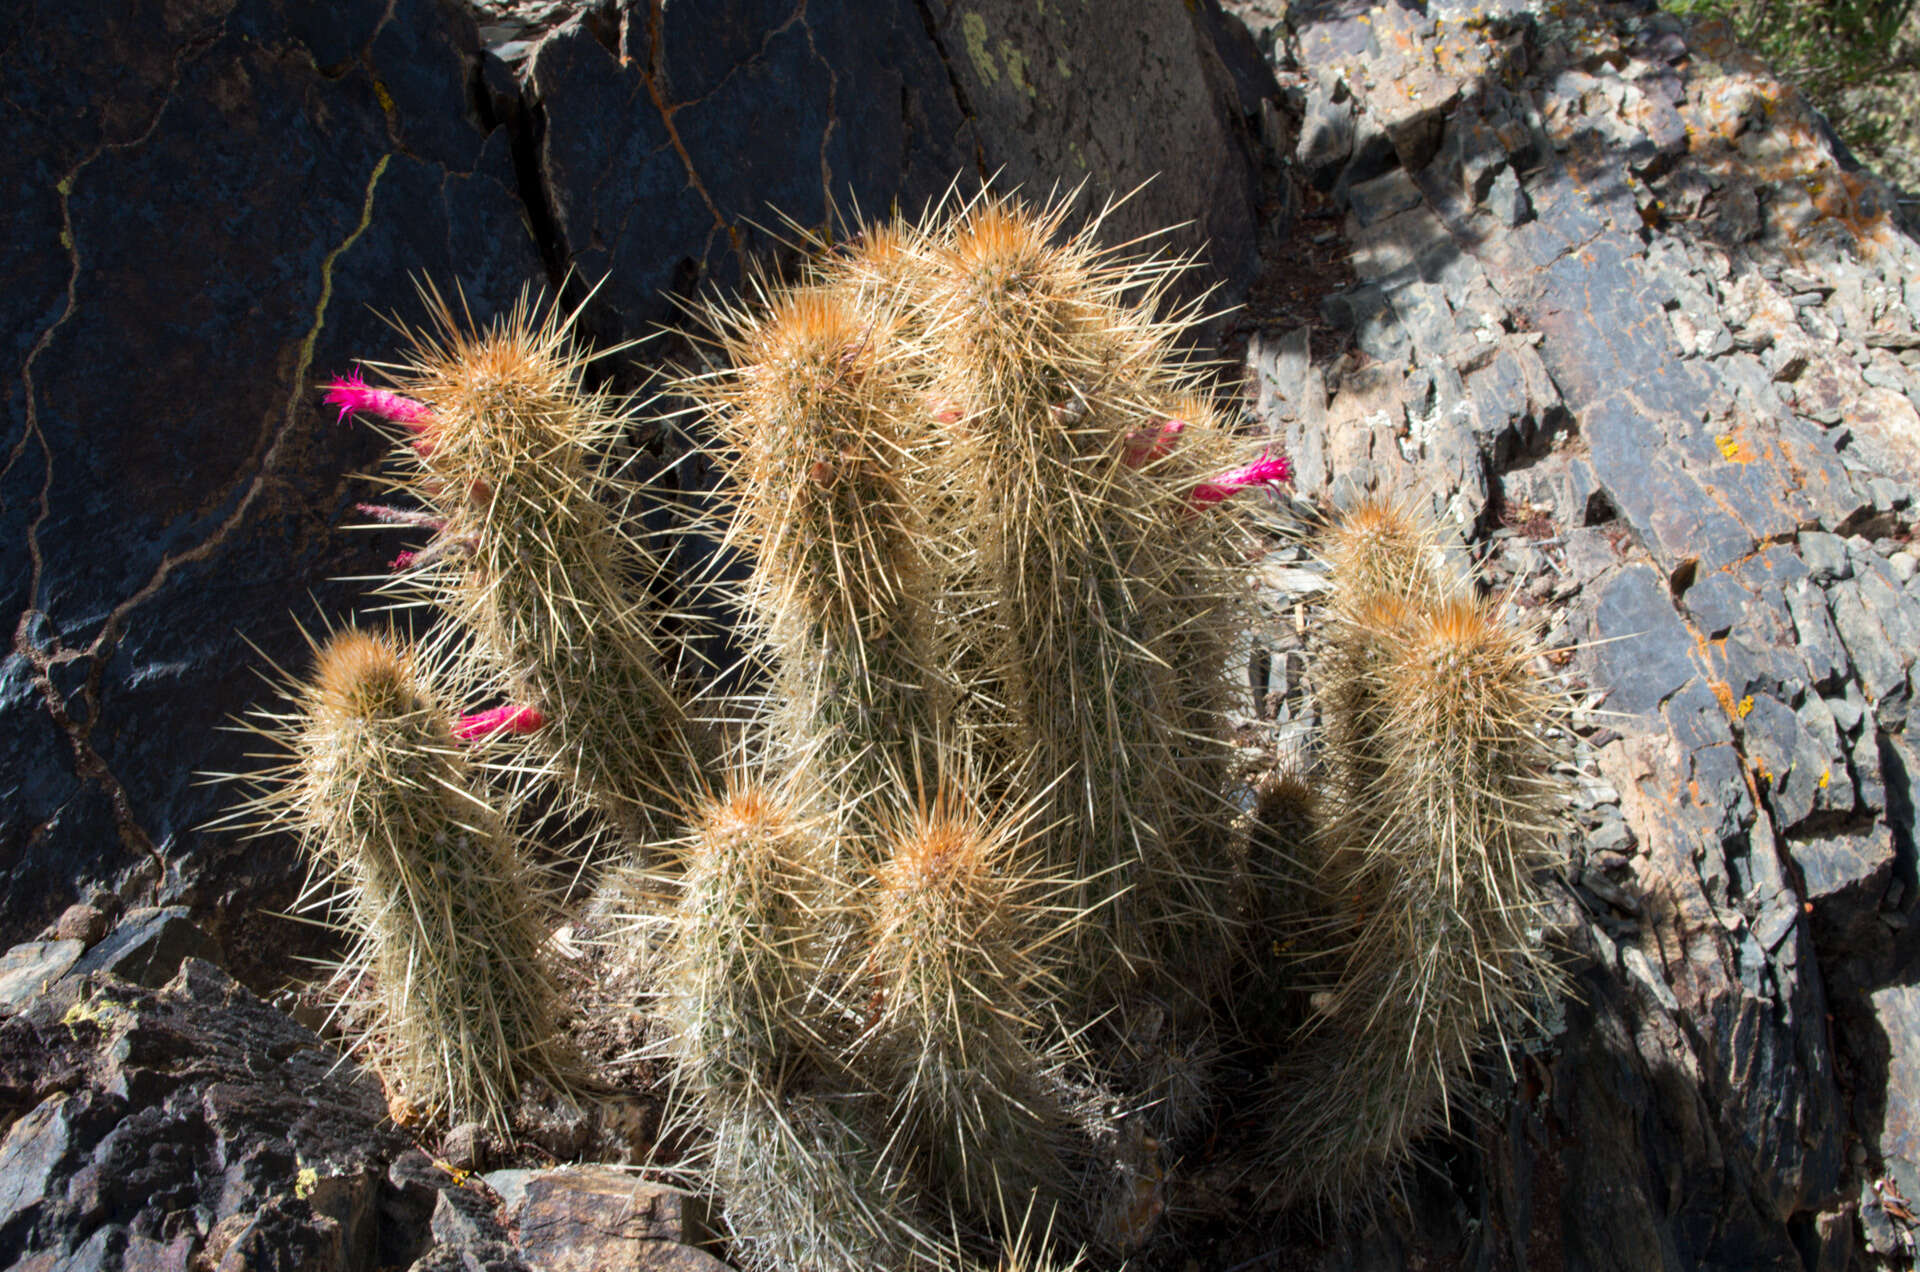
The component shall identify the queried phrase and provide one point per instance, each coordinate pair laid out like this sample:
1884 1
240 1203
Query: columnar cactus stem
441 905
512 452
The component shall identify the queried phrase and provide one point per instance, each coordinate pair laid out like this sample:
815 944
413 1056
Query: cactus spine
439 898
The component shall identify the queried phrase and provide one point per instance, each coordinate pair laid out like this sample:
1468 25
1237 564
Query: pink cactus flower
1144 445
505 719
1261 472
352 394
404 561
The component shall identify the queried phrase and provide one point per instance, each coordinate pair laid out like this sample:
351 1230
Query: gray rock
1642 651
148 946
463 1217
1857 607
1715 604
1897 1010
1507 201
1326 128
1383 196
30 967
1826 556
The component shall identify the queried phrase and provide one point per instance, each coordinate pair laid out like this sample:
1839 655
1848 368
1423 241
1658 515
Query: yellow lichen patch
1745 707
305 1182
101 1013
1826 776
1731 447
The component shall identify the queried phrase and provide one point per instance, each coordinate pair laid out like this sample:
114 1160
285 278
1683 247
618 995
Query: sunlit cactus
446 969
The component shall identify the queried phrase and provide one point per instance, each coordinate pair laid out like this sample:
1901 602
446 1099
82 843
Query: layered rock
1623 320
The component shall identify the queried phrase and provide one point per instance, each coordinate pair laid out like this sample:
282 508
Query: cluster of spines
512 453
1429 850
822 438
447 962
958 964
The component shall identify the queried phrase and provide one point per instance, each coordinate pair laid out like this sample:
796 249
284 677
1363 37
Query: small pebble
1904 565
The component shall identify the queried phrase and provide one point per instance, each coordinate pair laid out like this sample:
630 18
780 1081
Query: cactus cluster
947 922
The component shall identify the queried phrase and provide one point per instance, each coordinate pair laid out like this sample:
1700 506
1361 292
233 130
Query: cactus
440 904
1422 933
755 1032
955 930
819 431
509 447
958 964
1094 563
745 950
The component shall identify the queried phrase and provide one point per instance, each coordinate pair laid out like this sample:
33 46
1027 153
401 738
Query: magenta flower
1261 472
403 561
506 719
1144 445
352 394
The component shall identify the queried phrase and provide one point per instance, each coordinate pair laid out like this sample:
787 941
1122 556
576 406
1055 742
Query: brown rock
80 922
586 1218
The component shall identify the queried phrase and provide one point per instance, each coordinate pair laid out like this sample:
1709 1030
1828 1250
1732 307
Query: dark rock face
215 202
148 1127
211 197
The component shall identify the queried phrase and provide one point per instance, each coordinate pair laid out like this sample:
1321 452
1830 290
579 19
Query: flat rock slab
30 967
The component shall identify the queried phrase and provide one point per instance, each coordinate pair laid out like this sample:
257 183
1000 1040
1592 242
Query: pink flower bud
1144 445
352 394
506 719
402 562
1261 472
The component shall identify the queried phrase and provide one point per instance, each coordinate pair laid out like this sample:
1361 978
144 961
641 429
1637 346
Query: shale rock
1614 301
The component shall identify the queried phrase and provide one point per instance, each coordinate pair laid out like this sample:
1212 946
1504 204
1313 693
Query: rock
580 1219
30 967
1897 1010
1641 652
141 1106
148 946
464 1217
349 163
1326 129
467 1146
82 921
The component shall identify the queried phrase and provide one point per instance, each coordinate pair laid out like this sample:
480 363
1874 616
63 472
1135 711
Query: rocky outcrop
1618 314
